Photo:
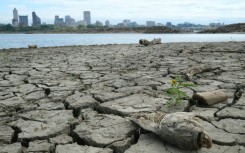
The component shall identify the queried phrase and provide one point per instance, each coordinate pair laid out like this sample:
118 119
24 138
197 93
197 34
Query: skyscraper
107 23
150 23
36 21
70 22
15 19
59 21
87 17
23 20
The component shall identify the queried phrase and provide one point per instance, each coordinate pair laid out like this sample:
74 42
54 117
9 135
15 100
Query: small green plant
175 92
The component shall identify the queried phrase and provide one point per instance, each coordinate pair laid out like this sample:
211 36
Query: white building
107 23
126 22
87 17
15 21
150 23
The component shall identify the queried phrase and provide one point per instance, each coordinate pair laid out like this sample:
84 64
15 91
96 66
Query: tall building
36 21
98 24
67 18
23 20
87 17
126 22
107 23
168 24
69 21
15 19
59 21
150 23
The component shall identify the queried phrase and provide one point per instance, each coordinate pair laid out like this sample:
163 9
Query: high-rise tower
15 18
87 17
36 21
23 20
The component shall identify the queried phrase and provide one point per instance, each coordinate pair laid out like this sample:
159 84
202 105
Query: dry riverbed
78 99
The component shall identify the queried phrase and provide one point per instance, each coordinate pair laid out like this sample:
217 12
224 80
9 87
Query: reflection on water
45 40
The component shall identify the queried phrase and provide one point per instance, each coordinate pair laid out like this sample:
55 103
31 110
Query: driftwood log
32 46
180 129
196 70
210 97
147 43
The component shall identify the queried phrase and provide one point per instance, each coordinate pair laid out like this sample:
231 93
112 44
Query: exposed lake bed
53 98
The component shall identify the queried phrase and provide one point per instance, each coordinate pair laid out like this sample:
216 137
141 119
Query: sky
140 11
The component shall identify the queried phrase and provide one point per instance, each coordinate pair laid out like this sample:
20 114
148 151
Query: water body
46 40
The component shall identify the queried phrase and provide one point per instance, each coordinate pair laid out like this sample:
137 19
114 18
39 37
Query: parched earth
78 99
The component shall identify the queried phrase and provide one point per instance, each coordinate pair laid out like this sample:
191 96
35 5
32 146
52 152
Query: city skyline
140 11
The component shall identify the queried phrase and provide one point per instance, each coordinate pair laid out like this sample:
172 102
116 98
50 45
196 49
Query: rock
132 104
41 124
11 148
148 143
40 146
61 140
6 134
210 97
232 112
104 130
75 148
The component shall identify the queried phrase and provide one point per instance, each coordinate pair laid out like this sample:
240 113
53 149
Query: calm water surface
45 40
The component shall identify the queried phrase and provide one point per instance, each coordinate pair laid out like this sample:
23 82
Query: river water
46 40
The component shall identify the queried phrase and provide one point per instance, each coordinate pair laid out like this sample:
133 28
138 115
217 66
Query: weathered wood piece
179 129
196 70
147 43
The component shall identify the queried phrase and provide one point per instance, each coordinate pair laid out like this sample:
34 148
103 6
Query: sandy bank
53 98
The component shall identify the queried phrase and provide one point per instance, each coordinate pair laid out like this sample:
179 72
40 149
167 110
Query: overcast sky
161 11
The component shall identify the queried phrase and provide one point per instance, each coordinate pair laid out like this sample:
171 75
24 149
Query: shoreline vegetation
51 29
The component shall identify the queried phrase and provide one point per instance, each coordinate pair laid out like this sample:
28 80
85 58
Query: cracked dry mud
78 98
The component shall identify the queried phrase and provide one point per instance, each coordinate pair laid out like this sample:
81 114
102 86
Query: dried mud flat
78 99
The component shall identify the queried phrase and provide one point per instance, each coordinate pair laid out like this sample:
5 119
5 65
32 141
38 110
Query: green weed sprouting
175 92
